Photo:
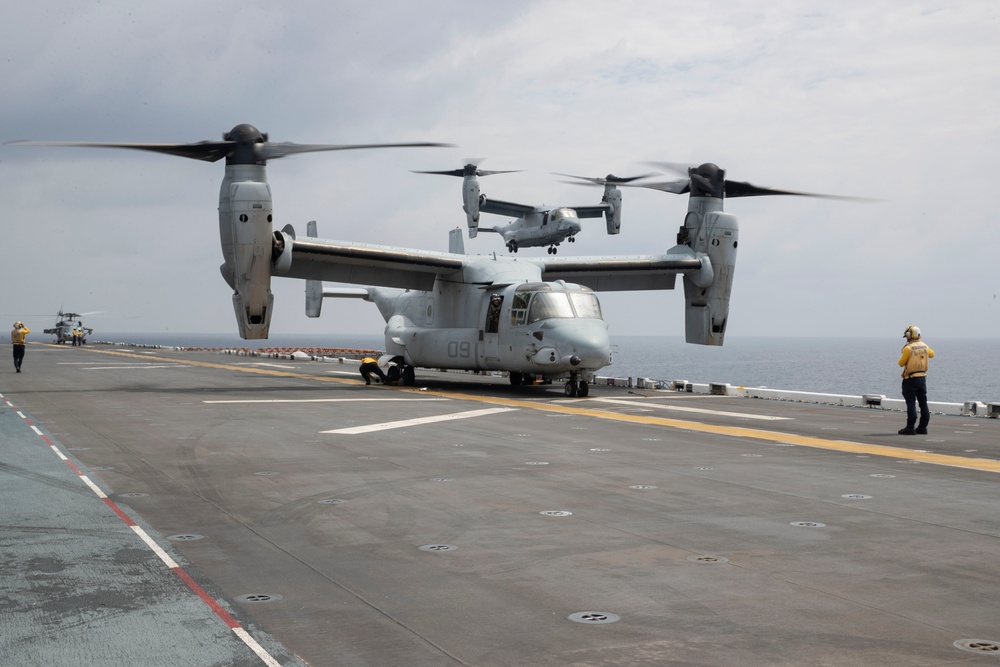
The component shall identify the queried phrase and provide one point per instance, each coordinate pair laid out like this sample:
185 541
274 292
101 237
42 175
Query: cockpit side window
493 313
519 309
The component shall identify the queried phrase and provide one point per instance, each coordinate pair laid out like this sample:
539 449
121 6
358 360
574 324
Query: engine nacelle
613 216
714 236
245 220
470 203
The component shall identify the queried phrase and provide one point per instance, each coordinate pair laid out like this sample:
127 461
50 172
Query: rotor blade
481 172
742 189
270 151
604 180
452 172
673 187
208 151
467 170
676 167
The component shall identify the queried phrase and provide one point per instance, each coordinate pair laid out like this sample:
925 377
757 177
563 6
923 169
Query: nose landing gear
576 388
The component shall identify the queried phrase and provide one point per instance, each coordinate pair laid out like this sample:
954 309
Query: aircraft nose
585 345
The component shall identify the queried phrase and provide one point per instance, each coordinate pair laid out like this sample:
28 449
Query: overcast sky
895 100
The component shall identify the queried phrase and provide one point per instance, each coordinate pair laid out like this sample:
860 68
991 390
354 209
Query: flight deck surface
468 522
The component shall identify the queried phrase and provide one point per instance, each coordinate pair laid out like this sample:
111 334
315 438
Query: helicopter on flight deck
530 317
66 324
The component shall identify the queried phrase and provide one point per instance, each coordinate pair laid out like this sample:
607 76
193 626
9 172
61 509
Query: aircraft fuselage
550 329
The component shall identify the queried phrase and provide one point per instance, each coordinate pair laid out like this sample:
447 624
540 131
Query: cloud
875 99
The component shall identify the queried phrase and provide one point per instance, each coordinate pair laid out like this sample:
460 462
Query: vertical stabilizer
456 244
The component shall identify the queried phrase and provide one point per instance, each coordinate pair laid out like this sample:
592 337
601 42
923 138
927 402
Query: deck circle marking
442 479
979 646
594 617
642 487
267 473
536 463
707 559
881 475
808 524
258 598
135 494
556 513
856 496
185 537
434 548
330 501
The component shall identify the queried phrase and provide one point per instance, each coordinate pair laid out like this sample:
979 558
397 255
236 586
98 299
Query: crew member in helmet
369 366
17 334
914 362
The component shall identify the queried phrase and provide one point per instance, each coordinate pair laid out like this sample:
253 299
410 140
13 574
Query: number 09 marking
459 349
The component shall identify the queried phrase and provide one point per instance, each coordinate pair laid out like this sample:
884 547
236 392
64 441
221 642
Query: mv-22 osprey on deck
531 317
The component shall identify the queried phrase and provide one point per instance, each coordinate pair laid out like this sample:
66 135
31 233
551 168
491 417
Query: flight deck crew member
17 334
914 363
369 366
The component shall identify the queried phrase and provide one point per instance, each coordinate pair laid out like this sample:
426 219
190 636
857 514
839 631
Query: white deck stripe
255 647
129 368
678 408
144 536
320 400
93 487
417 422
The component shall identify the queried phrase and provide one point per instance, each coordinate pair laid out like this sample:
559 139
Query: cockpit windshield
539 301
586 305
559 213
546 305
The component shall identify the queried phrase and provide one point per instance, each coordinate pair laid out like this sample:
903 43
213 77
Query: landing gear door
491 329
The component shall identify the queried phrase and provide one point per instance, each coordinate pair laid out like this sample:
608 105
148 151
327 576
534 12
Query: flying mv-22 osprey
532 317
536 225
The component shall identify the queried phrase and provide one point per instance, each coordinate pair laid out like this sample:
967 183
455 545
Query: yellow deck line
848 446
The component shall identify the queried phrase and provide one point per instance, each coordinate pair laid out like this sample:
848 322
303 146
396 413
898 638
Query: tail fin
314 288
456 244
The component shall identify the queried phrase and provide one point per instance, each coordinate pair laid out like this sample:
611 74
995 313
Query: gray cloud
878 99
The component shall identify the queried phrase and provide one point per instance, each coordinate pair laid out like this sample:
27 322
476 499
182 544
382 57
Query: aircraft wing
369 264
505 208
592 211
625 273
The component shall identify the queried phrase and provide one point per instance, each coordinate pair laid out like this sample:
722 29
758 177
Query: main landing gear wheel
516 378
409 376
512 247
553 250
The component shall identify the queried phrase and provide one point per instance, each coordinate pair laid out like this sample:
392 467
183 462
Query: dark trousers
18 356
915 392
368 369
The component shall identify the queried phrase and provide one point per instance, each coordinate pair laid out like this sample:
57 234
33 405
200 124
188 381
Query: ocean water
963 369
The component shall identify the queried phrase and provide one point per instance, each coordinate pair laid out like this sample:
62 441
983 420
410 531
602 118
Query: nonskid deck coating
710 538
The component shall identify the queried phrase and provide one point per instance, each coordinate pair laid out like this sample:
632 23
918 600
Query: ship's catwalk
165 507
